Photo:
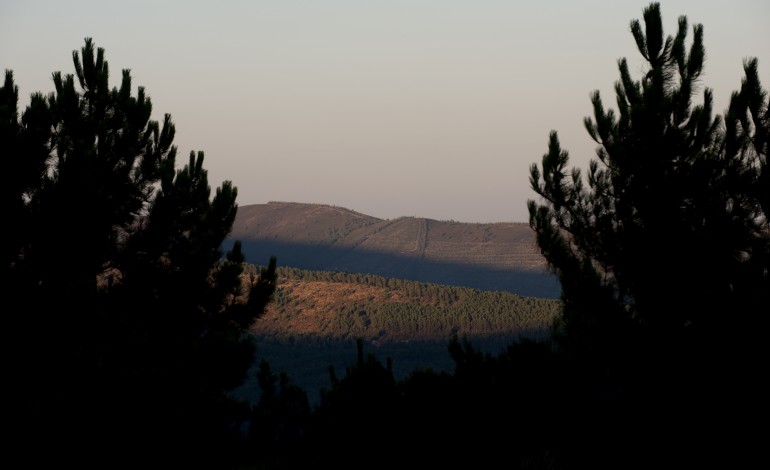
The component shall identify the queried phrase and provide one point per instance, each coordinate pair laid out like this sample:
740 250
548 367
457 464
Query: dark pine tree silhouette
280 422
662 250
355 425
126 327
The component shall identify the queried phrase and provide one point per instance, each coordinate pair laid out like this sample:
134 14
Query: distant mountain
494 256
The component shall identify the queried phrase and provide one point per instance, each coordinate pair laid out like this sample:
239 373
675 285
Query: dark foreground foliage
123 332
663 251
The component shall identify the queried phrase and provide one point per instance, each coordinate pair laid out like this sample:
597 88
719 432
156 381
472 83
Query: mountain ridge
489 256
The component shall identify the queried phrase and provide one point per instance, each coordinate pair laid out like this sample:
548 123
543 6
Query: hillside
495 257
340 306
316 316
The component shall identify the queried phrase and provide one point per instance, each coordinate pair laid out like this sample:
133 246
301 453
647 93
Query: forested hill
495 256
344 306
315 318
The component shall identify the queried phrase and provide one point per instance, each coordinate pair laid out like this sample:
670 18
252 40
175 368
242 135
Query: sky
391 108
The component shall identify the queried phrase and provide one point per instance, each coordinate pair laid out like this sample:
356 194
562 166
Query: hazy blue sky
428 108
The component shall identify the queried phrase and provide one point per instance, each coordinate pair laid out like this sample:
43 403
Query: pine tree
662 247
127 324
665 230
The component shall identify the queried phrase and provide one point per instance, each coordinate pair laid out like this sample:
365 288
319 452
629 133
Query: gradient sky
427 108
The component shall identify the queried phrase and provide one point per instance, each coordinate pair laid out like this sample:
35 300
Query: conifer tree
668 230
127 325
662 246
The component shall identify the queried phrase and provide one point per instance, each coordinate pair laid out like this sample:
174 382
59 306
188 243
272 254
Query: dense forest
129 332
